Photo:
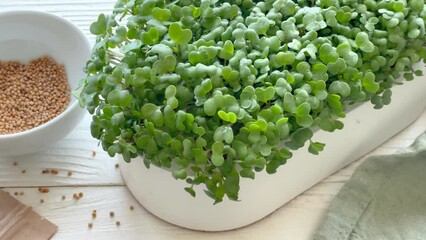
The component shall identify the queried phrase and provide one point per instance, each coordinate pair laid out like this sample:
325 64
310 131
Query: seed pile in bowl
31 94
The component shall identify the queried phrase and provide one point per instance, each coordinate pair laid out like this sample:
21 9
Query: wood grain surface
104 190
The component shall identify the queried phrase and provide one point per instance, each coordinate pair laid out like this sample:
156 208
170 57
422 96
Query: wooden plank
104 191
74 153
72 217
81 13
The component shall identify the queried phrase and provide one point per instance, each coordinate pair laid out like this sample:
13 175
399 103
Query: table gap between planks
96 176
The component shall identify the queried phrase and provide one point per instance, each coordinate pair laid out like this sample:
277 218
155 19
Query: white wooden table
104 190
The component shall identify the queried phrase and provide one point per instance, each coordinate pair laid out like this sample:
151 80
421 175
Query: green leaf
148 110
232 77
341 88
327 53
113 150
190 191
259 125
300 137
157 118
120 98
179 35
227 51
417 5
136 44
337 67
161 50
418 73
200 155
232 185
161 14
115 78
224 133
313 21
386 97
99 27
118 119
170 91
147 143
303 117
343 17
265 94
247 173
289 103
146 7
180 174
120 35
210 107
335 104
345 51
369 84
363 42
151 37
168 64
261 25
198 57
217 157
330 17
289 31
295 45
286 58
316 147
228 117
228 135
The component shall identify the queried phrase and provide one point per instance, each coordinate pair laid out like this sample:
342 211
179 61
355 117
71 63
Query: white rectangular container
365 129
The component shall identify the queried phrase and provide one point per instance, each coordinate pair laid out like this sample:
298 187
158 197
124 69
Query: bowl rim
74 105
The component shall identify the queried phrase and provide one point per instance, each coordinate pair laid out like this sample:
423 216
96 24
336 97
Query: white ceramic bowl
26 35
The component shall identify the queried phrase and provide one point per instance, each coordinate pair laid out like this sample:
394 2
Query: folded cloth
384 199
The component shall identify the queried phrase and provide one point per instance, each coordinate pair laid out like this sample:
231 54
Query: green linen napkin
384 199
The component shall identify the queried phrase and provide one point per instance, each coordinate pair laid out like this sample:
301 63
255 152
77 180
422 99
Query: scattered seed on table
23 171
52 171
90 225
42 200
93 153
31 94
16 193
77 196
132 208
63 198
15 164
111 214
45 171
117 223
117 166
43 190
69 173
93 214
21 193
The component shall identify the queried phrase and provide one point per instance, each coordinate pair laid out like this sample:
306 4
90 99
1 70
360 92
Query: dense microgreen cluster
216 90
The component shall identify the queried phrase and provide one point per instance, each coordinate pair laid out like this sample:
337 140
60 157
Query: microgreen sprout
219 90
